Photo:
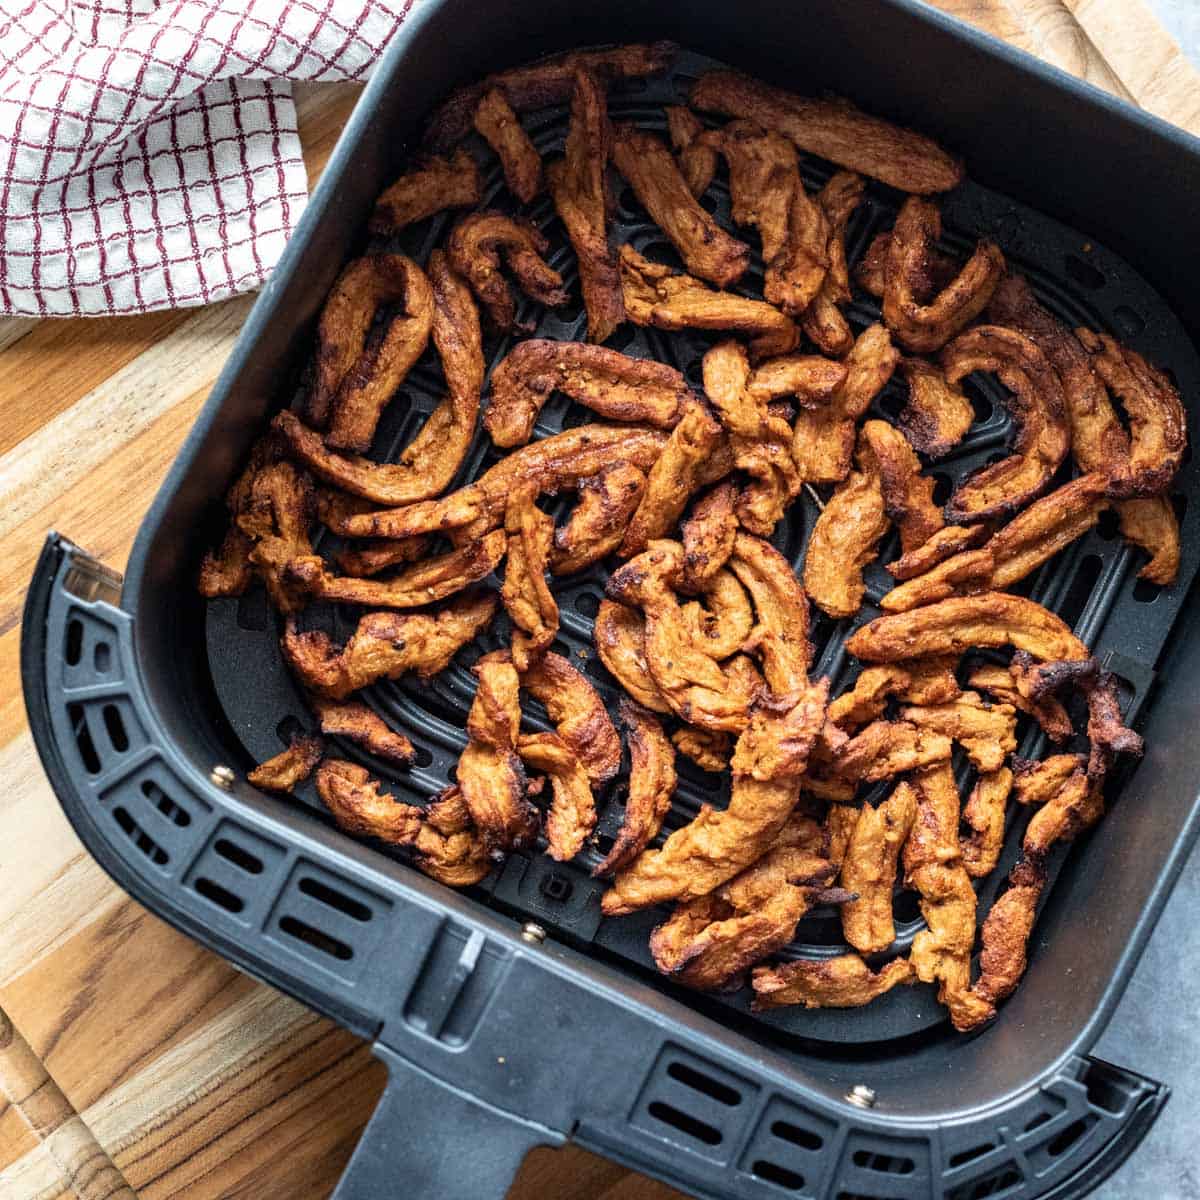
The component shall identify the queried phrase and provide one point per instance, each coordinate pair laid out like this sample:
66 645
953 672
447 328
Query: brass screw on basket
861 1095
222 776
533 933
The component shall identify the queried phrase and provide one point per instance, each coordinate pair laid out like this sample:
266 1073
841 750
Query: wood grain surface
132 1062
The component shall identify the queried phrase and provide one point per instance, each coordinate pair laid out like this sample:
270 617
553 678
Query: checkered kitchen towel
148 150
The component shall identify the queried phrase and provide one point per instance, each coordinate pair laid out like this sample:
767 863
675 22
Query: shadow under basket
511 1015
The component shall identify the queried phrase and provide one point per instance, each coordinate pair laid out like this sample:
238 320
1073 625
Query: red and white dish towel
148 150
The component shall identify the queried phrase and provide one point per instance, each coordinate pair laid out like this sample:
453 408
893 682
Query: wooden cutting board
133 1062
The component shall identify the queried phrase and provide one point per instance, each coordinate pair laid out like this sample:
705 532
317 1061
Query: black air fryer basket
511 1016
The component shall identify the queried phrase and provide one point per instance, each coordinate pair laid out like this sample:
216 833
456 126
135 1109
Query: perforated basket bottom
1092 584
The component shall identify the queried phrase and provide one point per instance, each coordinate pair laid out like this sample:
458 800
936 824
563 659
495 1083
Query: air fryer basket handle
1137 1101
1127 1104
445 990
428 1141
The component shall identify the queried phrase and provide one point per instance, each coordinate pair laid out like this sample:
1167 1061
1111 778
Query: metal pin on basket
222 776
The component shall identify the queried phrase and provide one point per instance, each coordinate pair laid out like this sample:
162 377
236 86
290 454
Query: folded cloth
148 150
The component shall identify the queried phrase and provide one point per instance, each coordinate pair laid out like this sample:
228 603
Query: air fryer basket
528 1042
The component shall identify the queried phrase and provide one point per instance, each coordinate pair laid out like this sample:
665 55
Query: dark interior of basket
1093 584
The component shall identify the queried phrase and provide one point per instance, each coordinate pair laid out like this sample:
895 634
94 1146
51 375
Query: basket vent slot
140 838
691 1126
239 866
1061 1142
706 1105
115 728
74 647
83 738
102 658
705 1084
1080 591
241 858
804 1138
175 813
881 1167
333 898
1145 592
779 1176
1037 1122
885 1164
790 1147
323 910
995 1183
324 942
218 895
970 1155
